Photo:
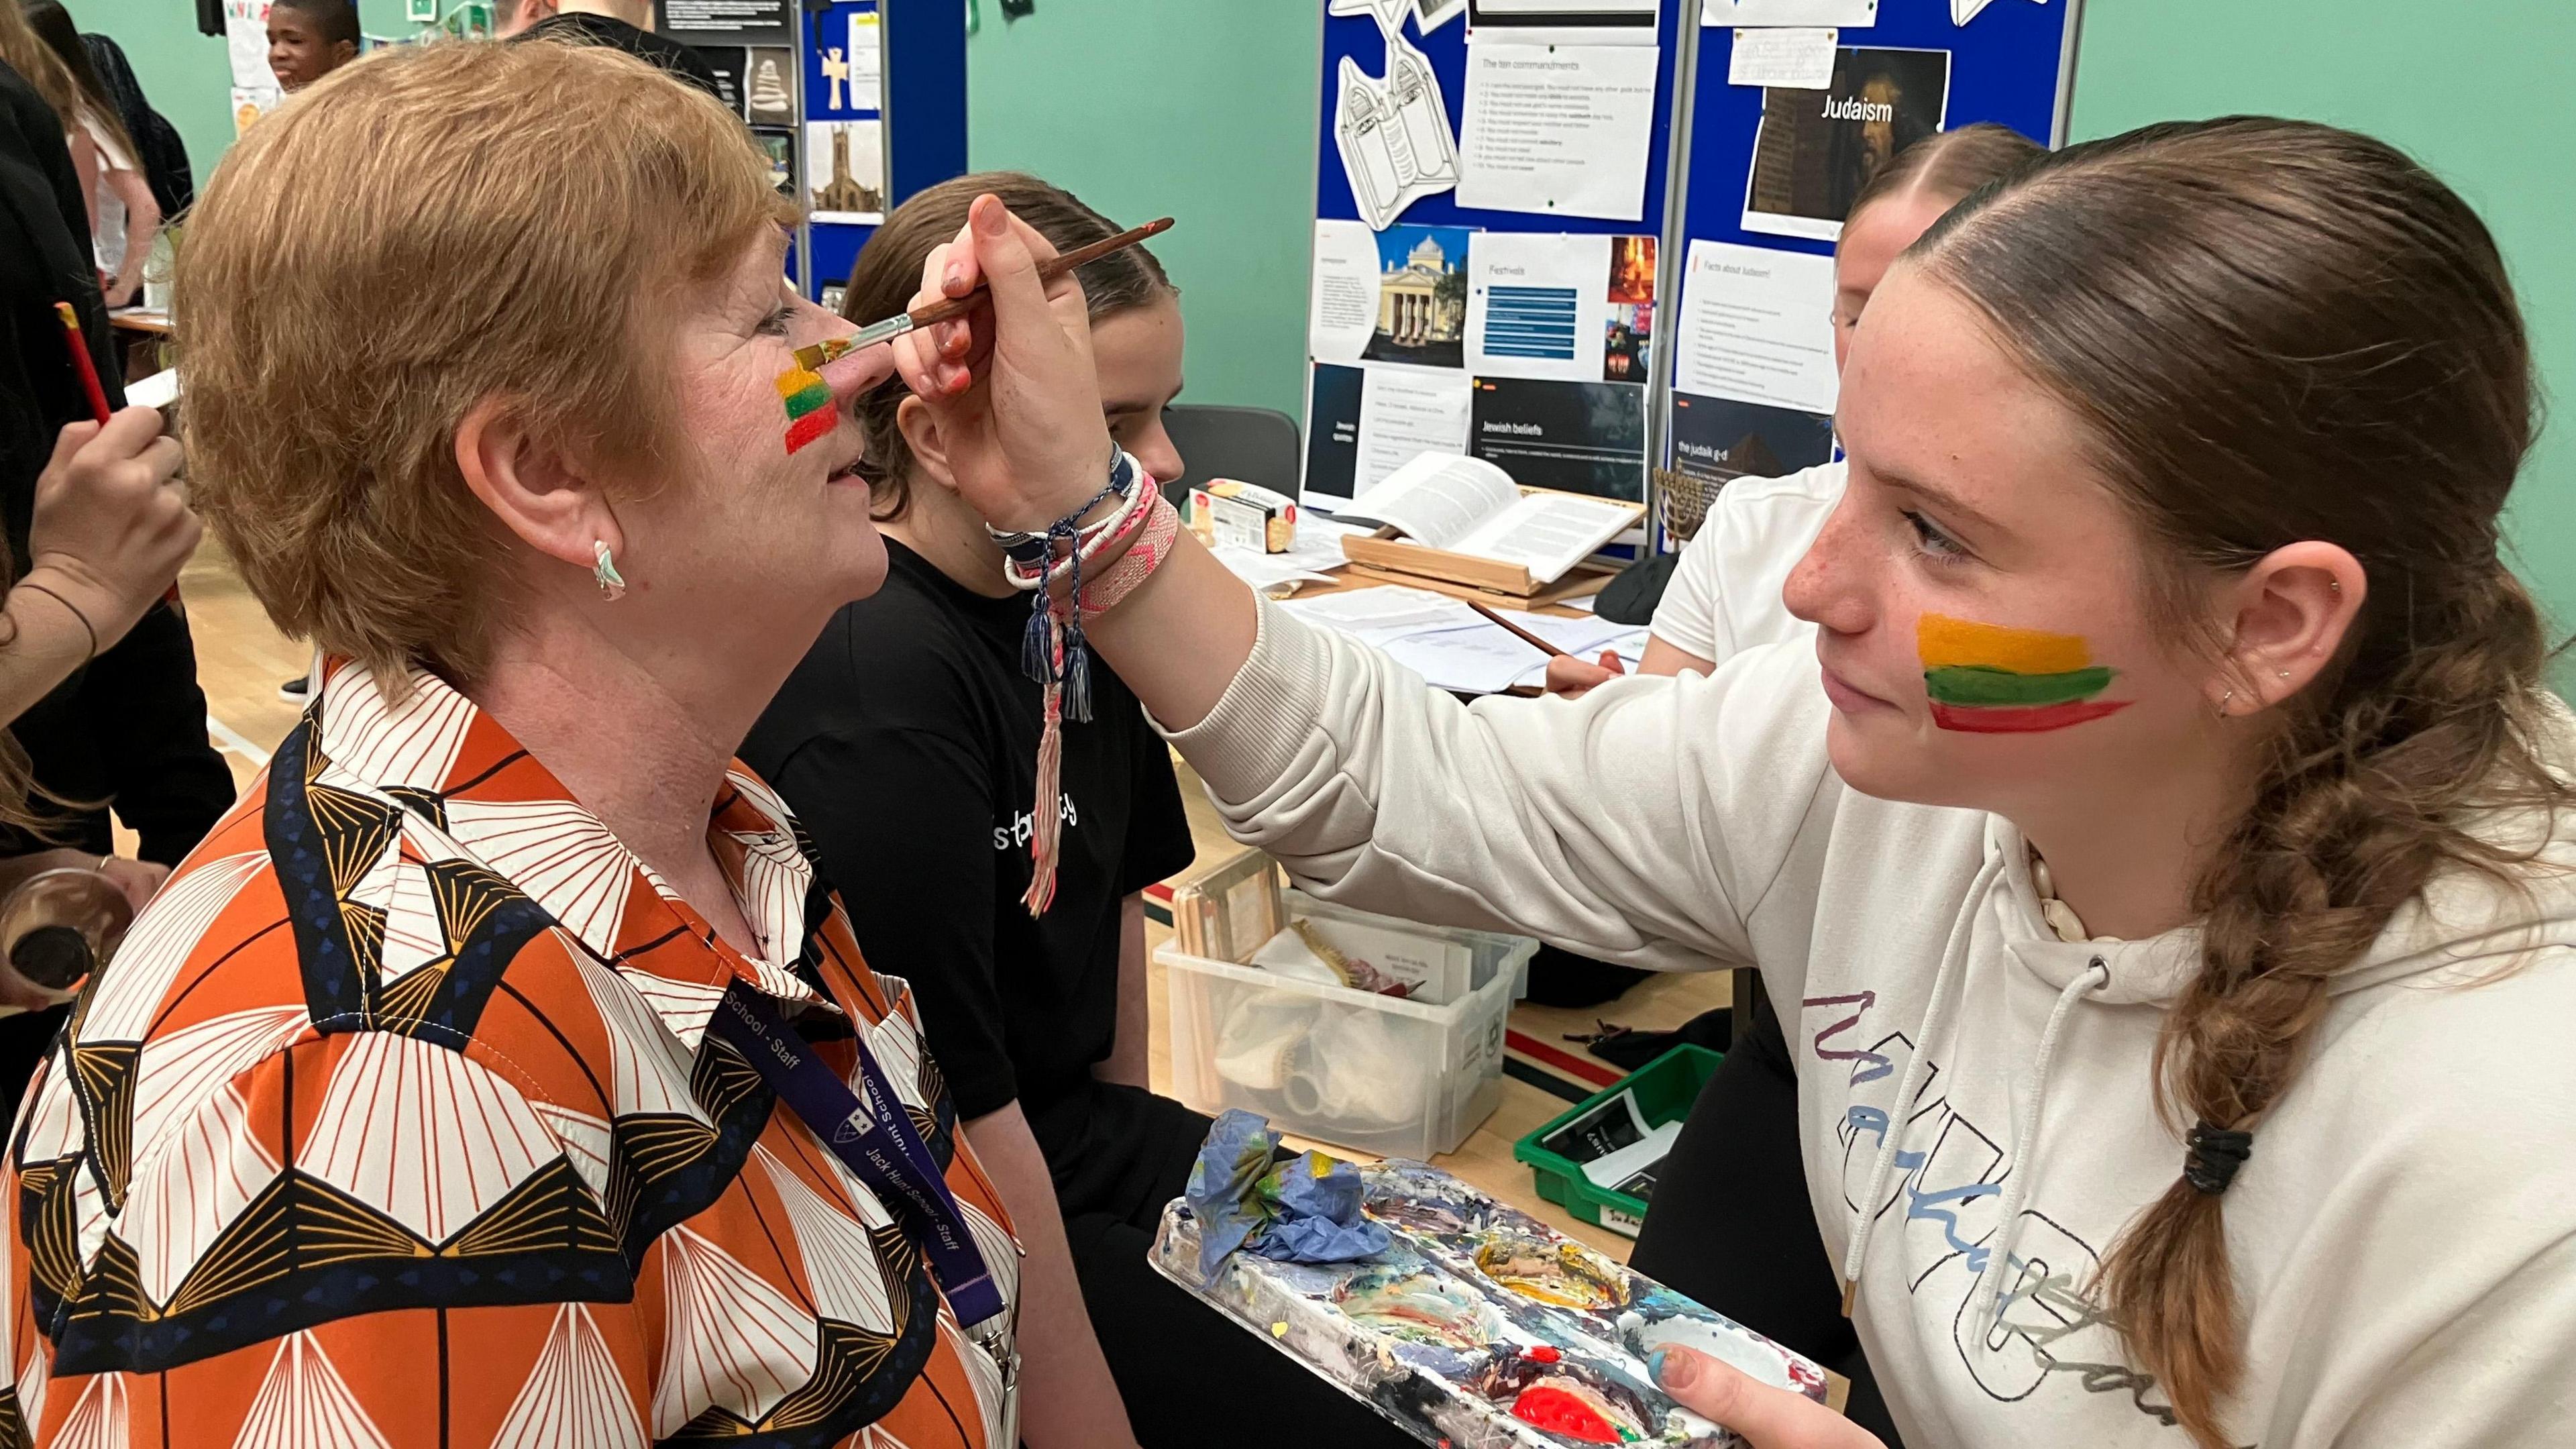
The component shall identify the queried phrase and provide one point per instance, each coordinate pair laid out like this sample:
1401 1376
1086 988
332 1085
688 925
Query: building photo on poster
1815 150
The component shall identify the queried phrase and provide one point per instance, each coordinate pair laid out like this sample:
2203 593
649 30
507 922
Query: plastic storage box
1375 1074
1665 1089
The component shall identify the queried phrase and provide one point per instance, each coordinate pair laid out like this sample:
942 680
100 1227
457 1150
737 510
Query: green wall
1204 111
2464 87
185 74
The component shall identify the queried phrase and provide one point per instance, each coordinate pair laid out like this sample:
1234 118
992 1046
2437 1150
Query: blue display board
919 114
2012 63
1587 433
2004 67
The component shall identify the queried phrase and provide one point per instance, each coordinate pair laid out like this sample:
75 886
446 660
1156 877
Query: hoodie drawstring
1917 1064
2025 1141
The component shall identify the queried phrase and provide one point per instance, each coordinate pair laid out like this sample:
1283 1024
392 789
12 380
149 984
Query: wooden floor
241 659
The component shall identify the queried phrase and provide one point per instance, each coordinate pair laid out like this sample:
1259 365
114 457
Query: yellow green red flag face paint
1993 680
810 413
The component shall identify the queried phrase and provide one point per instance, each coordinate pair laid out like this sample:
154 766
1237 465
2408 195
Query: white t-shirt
107 238
1725 594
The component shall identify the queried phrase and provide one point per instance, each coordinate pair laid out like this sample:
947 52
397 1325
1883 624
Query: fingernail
956 277
1671 1370
992 220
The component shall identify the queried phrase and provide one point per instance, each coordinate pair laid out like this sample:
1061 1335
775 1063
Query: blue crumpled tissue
1303 1210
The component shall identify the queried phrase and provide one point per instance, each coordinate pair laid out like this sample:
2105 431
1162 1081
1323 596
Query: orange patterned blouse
395 1122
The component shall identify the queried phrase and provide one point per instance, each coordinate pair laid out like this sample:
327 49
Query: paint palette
1480 1327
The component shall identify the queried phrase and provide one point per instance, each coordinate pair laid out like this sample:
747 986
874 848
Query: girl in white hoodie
2168 860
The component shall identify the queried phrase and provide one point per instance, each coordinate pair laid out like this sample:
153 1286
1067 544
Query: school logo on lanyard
853 1127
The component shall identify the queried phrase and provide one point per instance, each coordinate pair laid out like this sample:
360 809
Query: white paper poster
1394 136
252 102
1568 308
1342 311
1757 326
1791 56
1558 130
1847 13
1404 412
246 44
1533 305
867 62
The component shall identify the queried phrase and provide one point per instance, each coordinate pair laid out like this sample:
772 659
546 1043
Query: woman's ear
535 492
920 429
2291 613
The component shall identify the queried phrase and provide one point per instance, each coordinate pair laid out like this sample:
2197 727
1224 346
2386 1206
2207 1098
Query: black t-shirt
660 50
907 744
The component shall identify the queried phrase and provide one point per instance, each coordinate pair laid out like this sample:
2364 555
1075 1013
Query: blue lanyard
874 1138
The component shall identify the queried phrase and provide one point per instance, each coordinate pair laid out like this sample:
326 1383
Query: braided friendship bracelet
1162 526
86 627
2211 1156
1032 566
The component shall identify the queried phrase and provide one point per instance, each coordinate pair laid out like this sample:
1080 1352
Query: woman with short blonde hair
444 1083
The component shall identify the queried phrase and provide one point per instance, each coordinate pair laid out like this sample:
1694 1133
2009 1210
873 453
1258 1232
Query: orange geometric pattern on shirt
688 1262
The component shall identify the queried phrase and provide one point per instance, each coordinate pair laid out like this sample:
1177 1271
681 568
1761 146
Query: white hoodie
2404 1235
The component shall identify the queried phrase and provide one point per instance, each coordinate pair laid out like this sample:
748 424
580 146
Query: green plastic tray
1665 1089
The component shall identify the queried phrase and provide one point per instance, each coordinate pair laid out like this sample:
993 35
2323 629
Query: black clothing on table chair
656 50
907 743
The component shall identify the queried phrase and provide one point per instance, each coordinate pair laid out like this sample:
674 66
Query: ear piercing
612 587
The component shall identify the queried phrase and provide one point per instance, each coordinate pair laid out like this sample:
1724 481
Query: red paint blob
1559 1412
1541 1353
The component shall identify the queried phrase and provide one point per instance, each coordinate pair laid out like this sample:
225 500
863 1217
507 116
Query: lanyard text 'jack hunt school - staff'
873 1138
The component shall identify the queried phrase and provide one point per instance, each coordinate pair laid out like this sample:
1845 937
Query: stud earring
2285 674
611 586
2223 701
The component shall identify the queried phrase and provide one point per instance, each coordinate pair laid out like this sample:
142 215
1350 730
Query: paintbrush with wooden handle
951 308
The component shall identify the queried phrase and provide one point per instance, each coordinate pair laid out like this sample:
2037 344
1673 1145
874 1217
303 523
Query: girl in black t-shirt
906 742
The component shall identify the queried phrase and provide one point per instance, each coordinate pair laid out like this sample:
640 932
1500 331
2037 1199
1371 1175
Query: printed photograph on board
1576 437
727 63
1421 297
845 171
1718 440
780 148
768 86
1626 355
1815 150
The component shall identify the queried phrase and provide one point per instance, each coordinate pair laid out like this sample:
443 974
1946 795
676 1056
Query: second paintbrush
951 308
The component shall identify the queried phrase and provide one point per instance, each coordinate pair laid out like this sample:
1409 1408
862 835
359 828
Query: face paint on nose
810 413
1993 680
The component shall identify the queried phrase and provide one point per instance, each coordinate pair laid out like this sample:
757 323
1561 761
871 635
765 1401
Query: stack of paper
1311 559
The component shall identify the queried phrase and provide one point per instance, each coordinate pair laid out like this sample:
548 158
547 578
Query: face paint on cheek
810 413
1992 680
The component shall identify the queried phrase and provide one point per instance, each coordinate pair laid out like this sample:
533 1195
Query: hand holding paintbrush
111 528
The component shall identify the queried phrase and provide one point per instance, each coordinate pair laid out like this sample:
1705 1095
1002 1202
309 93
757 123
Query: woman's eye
1931 540
775 324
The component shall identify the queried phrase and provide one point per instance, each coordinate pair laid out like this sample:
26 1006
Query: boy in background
309 39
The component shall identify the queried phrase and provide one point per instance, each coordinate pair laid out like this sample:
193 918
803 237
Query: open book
1467 505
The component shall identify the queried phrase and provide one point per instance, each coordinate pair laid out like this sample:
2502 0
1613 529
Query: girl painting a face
2159 857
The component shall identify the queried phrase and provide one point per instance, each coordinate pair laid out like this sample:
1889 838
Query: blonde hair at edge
410 237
